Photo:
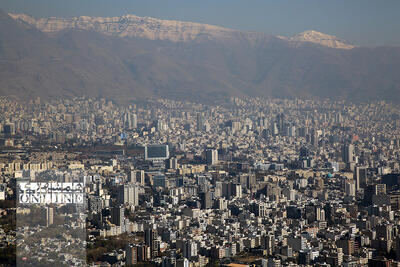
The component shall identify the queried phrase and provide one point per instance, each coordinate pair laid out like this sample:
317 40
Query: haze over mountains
130 57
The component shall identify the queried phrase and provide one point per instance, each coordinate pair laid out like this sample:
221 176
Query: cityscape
253 181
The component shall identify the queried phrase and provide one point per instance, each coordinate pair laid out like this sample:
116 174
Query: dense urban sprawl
270 182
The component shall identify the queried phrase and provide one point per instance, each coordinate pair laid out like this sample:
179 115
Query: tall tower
128 194
205 200
131 254
49 216
350 188
150 239
199 122
314 138
360 177
280 120
348 153
134 121
117 215
211 156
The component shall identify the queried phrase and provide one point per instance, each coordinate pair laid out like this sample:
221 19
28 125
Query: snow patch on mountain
321 39
128 26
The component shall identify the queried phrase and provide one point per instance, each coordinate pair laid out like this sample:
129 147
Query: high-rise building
134 121
259 209
384 231
131 176
200 122
211 156
127 120
136 176
131 254
117 215
291 131
303 131
280 120
314 138
128 194
190 250
222 204
187 247
350 188
268 243
274 128
9 129
360 177
231 190
397 248
144 253
173 163
347 246
140 177
263 122
150 239
205 200
348 153
247 180
297 243
161 125
304 257
48 213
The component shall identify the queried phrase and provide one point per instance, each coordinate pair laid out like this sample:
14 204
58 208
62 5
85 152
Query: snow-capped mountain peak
316 37
157 29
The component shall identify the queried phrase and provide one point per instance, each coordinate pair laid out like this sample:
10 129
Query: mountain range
129 58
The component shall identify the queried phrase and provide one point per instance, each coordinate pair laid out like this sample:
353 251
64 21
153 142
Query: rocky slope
157 29
129 26
196 66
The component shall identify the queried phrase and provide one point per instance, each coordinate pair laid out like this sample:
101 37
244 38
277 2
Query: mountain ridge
316 37
130 25
75 62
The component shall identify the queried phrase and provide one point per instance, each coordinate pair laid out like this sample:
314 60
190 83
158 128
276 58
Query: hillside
185 60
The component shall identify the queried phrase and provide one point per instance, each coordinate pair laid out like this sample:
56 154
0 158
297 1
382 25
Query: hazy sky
361 22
